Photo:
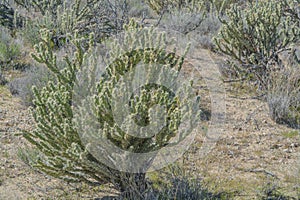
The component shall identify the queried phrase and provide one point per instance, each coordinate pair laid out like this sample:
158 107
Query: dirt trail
252 152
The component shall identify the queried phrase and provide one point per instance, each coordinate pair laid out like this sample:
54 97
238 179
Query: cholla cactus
255 37
67 18
9 17
42 6
64 152
103 17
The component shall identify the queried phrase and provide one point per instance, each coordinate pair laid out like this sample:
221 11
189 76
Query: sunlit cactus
65 151
255 37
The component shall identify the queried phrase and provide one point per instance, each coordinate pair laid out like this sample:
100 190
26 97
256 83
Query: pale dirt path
252 149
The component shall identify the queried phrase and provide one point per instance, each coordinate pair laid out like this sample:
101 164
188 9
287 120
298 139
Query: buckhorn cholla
72 132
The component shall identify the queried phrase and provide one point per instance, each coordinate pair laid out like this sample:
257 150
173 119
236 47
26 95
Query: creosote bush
64 152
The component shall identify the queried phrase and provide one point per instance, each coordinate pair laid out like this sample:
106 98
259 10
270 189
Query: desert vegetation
67 62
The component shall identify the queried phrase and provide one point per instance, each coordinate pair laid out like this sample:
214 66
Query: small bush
283 96
208 29
176 183
37 76
102 17
9 18
183 20
161 7
254 37
219 6
140 9
9 49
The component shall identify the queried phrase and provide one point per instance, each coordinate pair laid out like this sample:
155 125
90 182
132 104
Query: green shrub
10 49
9 17
254 37
103 17
67 18
64 153
199 20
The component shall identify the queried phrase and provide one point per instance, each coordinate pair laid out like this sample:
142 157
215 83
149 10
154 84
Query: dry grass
283 96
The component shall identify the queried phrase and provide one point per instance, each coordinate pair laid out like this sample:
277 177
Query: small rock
287 151
294 145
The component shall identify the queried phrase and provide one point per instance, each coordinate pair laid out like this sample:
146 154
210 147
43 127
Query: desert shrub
183 20
64 154
103 17
68 18
205 33
37 76
9 18
201 22
196 24
176 182
140 9
219 6
162 6
10 49
42 6
254 37
283 96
